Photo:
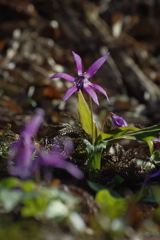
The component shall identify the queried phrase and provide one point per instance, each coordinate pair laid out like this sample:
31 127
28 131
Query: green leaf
85 116
27 186
150 145
77 223
152 194
94 154
155 157
144 134
129 132
118 132
97 187
10 182
118 180
113 207
88 146
47 202
34 207
56 210
97 155
10 198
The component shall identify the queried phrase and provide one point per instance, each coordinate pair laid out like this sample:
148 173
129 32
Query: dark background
36 40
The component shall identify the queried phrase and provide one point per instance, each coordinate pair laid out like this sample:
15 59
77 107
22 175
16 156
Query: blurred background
36 41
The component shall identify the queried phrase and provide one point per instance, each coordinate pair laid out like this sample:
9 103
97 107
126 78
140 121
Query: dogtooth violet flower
118 121
22 161
61 150
20 155
82 80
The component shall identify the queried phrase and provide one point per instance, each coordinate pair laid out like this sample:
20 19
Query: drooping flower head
82 80
118 121
20 155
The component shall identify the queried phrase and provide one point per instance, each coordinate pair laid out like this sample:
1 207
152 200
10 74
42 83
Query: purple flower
81 81
22 162
62 148
118 121
20 155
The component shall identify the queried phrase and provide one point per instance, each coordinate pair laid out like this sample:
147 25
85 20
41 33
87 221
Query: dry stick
104 121
91 108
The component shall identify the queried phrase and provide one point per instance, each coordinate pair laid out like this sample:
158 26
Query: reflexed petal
95 66
56 160
78 61
92 93
118 121
73 170
62 75
69 92
32 127
99 88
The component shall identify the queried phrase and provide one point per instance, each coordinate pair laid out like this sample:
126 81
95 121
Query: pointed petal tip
95 66
69 92
92 93
50 78
99 88
62 75
39 111
78 61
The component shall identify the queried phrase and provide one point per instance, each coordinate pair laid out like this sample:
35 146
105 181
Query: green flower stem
91 108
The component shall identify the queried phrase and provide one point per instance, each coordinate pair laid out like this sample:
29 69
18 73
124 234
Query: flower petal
32 127
95 66
56 160
92 93
99 88
20 157
52 159
69 92
62 75
78 61
73 170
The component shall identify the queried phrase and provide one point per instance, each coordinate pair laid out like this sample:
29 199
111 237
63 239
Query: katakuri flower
20 155
118 121
82 80
22 161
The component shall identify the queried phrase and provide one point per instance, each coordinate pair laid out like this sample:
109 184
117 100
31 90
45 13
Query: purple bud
118 121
